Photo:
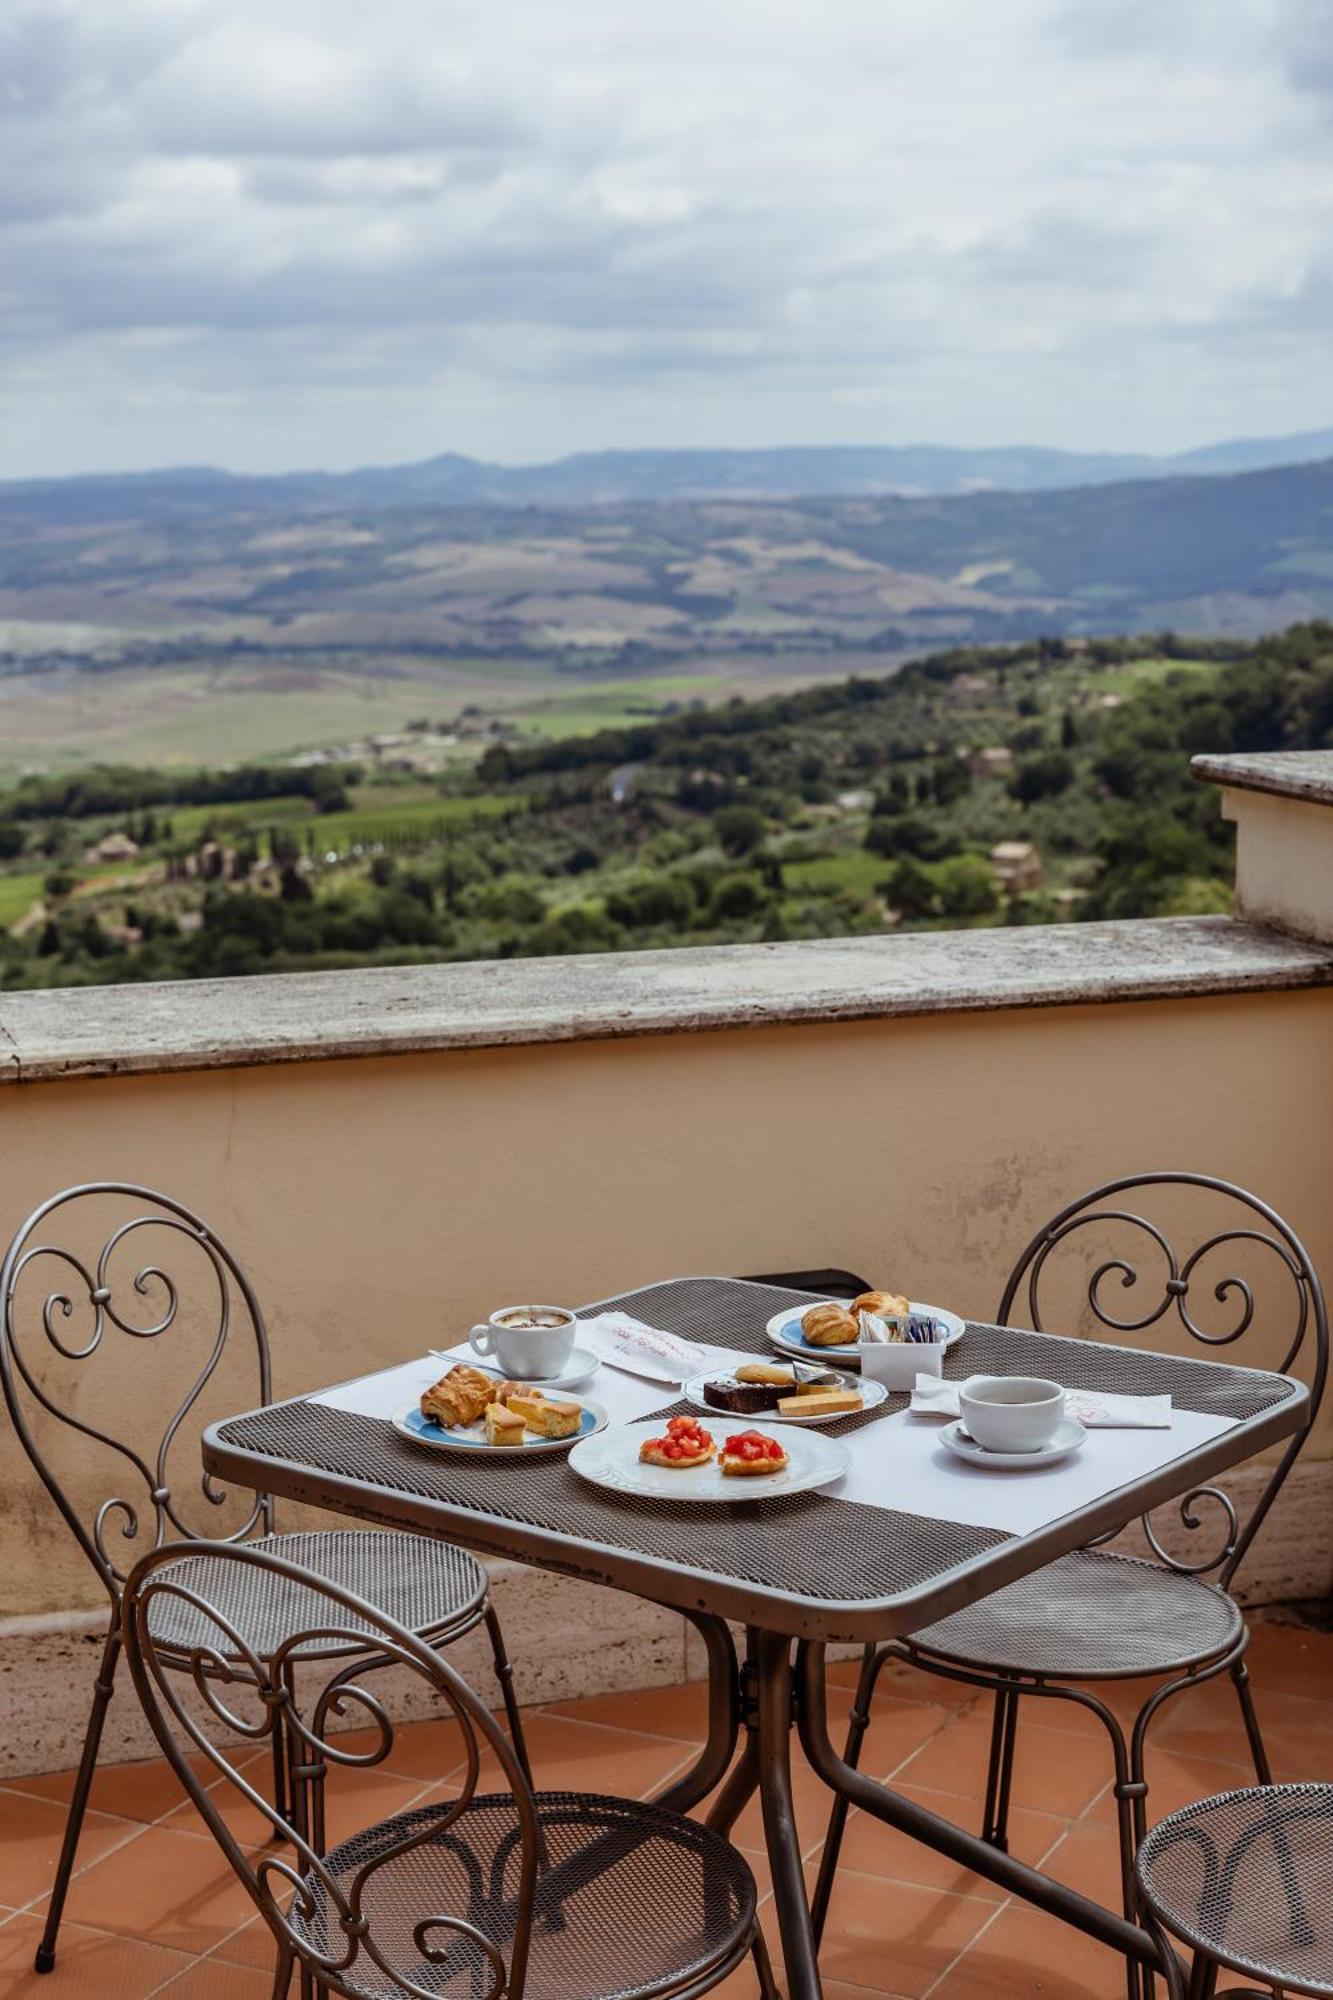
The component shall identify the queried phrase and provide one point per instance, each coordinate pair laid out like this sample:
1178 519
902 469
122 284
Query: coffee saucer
581 1366
1069 1437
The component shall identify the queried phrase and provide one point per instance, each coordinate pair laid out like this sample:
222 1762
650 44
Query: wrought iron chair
1102 1616
1244 1878
438 1591
556 1895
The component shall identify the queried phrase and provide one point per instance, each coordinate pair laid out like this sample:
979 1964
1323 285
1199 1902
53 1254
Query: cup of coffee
531 1343
1011 1412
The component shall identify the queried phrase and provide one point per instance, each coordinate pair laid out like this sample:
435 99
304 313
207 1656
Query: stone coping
314 1016
1291 774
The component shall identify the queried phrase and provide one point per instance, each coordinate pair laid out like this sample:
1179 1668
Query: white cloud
275 232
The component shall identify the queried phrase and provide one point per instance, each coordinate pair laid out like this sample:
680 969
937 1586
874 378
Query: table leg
772 1657
724 1721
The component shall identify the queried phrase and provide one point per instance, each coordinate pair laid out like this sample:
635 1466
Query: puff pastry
885 1305
459 1397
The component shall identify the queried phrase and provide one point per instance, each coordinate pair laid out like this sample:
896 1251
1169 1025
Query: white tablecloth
898 1462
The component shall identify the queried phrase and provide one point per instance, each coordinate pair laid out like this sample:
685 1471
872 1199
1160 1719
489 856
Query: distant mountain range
619 478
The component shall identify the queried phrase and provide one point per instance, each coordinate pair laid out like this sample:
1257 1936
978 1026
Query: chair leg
763 1965
857 1724
1240 1675
1000 1772
504 1673
45 1957
1203 1977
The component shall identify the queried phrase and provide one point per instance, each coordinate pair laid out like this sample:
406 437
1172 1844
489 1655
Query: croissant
829 1326
460 1397
885 1305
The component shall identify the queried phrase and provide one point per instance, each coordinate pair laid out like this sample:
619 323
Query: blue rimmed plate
784 1330
410 1423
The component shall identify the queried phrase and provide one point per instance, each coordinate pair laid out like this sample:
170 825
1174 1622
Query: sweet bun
829 1326
886 1305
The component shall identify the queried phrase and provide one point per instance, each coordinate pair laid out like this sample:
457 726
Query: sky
268 234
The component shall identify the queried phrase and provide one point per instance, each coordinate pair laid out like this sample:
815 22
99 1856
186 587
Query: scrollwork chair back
323 1911
1214 1304
63 1305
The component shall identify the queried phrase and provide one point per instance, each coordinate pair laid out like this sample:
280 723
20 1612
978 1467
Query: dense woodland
852 807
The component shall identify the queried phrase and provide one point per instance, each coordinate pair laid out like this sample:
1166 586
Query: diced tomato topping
775 1449
671 1449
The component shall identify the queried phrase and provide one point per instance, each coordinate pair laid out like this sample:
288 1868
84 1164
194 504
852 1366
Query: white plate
410 1423
1069 1436
784 1330
581 1367
872 1395
612 1460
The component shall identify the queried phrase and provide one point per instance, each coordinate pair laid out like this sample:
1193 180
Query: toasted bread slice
653 1452
503 1426
751 1468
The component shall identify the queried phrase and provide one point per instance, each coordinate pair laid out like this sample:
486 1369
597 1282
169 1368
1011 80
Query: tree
739 829
908 889
966 886
1044 776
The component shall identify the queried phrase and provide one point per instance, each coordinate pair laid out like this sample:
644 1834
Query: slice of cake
821 1403
546 1416
503 1426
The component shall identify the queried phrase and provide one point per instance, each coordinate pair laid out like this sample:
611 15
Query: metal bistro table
811 1568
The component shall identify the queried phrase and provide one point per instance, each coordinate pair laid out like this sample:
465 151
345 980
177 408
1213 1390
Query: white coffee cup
1011 1412
531 1343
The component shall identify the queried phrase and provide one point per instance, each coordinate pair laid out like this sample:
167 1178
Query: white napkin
625 1342
1096 1409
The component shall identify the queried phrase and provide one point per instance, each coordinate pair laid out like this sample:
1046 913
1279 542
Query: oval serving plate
784 1330
612 1460
410 1423
872 1395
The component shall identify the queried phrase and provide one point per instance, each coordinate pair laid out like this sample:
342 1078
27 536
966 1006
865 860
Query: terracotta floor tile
31 1832
1088 1859
813 1801
665 1711
251 1945
1290 1659
90 1965
1297 1729
1053 1771
427 1751
176 1888
140 1791
569 1755
905 1682
898 1729
214 1979
1026 1955
896 1938
871 1848
1175 1779
354 1799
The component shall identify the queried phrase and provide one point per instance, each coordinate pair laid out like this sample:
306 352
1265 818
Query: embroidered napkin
625 1342
1096 1409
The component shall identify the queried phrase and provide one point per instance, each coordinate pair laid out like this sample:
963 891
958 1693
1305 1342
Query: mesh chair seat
630 1900
1248 1878
423 1584
1090 1615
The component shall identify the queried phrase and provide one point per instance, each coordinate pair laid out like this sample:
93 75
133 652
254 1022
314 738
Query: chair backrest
1208 1294
207 1696
109 1265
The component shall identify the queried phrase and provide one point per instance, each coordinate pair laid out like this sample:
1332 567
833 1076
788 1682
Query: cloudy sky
275 233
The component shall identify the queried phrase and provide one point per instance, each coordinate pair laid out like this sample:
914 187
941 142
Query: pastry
685 1443
829 1326
821 1403
459 1397
751 1455
888 1305
543 1414
744 1399
503 1426
778 1374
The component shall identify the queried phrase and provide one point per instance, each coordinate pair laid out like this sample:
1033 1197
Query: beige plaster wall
1283 872
382 1204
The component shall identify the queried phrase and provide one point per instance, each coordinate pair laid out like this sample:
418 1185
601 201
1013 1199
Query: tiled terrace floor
154 1909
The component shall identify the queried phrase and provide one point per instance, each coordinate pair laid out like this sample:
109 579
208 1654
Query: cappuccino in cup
531 1343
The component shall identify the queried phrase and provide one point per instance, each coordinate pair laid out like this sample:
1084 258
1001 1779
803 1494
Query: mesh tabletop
808 1549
